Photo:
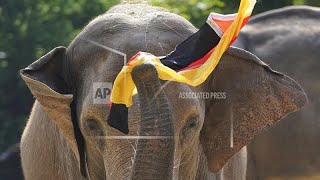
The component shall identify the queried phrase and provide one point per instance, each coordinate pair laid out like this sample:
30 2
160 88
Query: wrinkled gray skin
289 40
199 147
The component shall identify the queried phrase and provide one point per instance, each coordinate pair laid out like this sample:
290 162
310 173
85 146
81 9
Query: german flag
191 62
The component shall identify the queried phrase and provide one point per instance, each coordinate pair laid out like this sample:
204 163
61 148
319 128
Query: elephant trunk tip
144 72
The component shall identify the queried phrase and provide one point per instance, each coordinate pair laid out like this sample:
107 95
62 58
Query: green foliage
193 10
196 11
307 2
30 28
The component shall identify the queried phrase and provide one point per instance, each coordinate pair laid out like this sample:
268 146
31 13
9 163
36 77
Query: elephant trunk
155 147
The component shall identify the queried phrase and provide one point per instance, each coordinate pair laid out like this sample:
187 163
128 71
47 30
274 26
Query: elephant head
176 131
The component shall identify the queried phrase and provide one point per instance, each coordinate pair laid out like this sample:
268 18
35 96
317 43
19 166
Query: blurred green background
30 28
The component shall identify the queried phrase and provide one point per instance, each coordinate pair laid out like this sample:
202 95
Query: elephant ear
48 82
256 98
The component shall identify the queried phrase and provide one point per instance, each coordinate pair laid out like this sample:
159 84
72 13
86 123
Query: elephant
171 136
288 39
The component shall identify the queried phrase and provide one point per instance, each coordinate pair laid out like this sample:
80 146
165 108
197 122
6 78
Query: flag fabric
191 62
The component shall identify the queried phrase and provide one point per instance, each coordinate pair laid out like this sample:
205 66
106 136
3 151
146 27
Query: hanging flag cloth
191 62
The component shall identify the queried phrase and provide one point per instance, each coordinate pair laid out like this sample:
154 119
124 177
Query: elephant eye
189 130
95 131
94 127
192 123
92 124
